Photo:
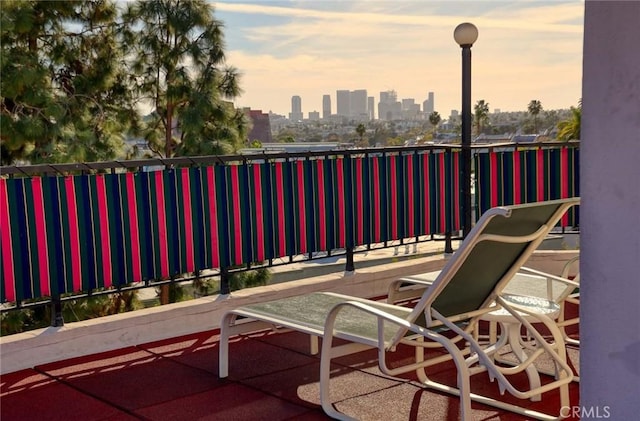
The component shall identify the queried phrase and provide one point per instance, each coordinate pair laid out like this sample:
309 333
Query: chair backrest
501 242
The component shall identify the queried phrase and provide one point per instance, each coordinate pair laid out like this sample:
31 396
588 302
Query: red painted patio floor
272 377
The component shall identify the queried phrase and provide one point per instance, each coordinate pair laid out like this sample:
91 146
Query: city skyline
525 51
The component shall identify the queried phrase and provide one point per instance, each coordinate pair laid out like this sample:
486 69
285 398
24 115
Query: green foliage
534 108
64 87
100 305
180 62
570 129
481 115
205 286
249 279
434 119
177 293
76 73
17 321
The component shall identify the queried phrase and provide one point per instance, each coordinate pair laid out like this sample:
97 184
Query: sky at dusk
525 50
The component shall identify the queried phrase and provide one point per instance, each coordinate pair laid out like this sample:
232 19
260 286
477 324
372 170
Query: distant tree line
77 75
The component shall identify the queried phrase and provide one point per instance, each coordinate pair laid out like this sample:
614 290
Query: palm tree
570 129
481 115
535 107
361 130
434 119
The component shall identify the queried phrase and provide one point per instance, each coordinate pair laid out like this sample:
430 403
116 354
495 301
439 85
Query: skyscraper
326 107
429 106
371 107
389 108
343 101
296 109
358 104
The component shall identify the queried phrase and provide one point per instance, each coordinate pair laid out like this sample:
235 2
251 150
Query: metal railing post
56 311
349 266
448 247
225 288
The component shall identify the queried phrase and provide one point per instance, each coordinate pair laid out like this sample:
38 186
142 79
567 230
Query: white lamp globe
465 34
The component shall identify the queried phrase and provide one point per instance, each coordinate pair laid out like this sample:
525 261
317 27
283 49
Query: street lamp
465 35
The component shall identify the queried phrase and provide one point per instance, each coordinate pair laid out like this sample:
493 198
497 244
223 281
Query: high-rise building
408 103
389 108
429 106
358 104
296 109
371 107
314 116
326 107
343 103
410 110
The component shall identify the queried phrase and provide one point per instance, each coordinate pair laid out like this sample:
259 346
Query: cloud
524 49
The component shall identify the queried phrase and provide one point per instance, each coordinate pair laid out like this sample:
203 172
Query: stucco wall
610 212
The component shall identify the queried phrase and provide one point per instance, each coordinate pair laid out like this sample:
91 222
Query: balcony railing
73 230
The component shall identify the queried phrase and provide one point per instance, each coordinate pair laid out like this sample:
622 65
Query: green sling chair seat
468 287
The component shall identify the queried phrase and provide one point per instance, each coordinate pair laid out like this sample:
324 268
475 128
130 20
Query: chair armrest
549 276
407 288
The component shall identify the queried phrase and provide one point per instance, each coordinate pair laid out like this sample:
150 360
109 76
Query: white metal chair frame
369 324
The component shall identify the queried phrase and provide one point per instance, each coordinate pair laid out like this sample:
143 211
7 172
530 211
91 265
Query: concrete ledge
29 349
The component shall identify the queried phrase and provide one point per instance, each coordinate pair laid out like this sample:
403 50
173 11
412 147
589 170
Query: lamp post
465 35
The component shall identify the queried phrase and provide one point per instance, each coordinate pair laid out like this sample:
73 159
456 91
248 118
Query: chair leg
325 374
223 360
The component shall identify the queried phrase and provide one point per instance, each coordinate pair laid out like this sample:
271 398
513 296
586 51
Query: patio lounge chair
469 286
571 271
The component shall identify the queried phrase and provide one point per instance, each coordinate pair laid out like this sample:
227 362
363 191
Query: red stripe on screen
517 191
322 212
41 234
302 217
376 201
257 177
105 239
188 220
493 165
341 209
162 225
427 194
7 246
443 195
410 196
74 233
394 197
359 202
213 217
237 218
540 175
134 233
282 232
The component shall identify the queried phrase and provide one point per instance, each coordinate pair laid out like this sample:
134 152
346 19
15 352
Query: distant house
296 147
492 138
528 138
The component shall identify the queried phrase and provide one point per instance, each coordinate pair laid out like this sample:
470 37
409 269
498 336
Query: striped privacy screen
525 176
78 233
